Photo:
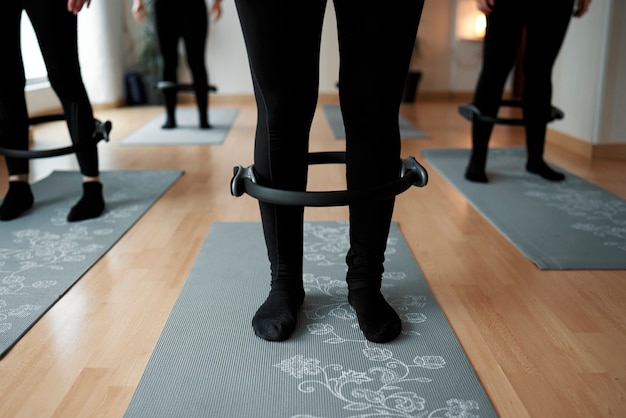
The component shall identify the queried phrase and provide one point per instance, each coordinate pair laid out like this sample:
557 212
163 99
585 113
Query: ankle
19 177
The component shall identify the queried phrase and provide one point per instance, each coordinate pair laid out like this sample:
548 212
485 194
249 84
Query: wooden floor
543 343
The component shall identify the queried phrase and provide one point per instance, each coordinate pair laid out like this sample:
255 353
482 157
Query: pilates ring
170 85
101 132
244 181
471 112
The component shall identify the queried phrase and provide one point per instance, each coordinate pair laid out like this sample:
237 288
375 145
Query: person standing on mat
283 44
55 23
546 26
173 20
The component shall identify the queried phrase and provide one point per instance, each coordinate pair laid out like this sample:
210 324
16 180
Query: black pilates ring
244 181
101 132
170 85
471 112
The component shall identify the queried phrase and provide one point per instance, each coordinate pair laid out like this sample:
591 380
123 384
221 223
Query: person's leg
13 112
56 33
376 45
545 34
195 32
282 39
504 30
167 23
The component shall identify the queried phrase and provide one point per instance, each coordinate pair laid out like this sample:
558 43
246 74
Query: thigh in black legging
13 111
545 34
376 45
282 39
504 32
194 33
168 21
56 33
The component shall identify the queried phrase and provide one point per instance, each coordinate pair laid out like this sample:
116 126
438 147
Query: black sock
18 200
377 319
276 319
476 173
91 205
475 170
170 108
169 124
541 168
204 121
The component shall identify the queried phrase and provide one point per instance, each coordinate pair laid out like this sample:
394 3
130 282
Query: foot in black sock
377 319
91 205
169 124
542 169
18 200
276 319
476 173
205 125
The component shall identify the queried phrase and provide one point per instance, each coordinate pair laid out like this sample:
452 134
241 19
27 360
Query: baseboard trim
218 99
585 149
449 96
110 105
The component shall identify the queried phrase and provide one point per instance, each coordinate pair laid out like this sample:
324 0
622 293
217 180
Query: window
34 66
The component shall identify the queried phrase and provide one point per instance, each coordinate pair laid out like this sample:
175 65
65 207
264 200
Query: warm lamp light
470 23
480 26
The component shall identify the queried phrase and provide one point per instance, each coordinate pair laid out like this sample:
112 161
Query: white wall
435 36
579 72
227 61
612 124
101 58
467 47
99 48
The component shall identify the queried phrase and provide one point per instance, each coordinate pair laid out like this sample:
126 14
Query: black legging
546 25
283 43
175 19
56 31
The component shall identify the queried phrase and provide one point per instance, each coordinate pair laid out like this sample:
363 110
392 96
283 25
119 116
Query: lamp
470 22
480 26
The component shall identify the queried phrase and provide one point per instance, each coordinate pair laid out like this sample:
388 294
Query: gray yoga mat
334 118
187 131
571 224
42 255
209 363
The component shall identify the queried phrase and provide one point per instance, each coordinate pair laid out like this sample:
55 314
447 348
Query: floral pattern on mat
35 250
387 388
598 216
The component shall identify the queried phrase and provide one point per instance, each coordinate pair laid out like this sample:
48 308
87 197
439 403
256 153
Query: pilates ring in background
244 181
170 85
101 132
471 112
